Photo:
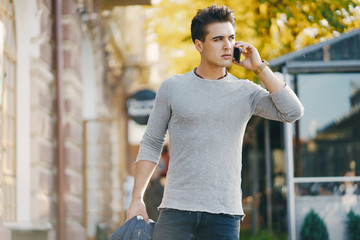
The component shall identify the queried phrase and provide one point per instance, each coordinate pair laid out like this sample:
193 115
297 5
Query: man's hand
252 57
252 61
143 172
137 207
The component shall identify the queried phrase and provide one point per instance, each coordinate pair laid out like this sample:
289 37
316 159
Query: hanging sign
139 106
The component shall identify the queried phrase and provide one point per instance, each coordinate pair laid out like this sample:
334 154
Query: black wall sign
140 105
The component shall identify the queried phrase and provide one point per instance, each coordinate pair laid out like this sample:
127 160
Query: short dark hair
206 16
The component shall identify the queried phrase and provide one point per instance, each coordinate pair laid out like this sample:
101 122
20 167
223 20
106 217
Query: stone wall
106 139
72 119
44 119
42 144
43 122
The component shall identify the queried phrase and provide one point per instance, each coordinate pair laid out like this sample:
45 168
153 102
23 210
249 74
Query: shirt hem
241 212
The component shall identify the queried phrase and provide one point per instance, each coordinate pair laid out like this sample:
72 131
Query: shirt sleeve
282 105
153 139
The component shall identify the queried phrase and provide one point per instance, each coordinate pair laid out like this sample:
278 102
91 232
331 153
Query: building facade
67 68
322 150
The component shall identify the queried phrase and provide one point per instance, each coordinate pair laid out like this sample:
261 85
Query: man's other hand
137 207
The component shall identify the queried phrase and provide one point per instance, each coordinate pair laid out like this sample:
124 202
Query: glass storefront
327 145
327 138
322 149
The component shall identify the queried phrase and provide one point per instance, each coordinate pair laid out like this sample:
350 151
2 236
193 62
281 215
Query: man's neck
212 73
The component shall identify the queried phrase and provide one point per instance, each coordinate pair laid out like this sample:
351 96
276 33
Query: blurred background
78 80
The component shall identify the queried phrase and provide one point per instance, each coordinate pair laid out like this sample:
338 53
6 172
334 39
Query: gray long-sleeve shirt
206 120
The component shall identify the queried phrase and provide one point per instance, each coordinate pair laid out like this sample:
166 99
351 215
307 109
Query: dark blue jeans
184 225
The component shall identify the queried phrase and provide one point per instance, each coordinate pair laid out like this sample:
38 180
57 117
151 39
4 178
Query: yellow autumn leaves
274 27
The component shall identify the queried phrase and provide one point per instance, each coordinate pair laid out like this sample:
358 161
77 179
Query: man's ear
198 45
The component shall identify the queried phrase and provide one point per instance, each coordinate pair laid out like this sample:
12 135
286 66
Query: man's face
218 48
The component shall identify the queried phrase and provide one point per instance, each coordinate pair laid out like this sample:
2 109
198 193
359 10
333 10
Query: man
206 111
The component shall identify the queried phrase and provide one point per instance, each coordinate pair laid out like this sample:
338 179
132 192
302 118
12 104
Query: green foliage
353 226
313 228
263 235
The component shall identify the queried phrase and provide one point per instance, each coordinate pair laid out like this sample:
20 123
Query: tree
274 27
313 228
353 225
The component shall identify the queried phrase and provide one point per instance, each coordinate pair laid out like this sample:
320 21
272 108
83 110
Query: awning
339 54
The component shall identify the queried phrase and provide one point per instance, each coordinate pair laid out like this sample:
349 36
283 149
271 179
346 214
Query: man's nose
227 44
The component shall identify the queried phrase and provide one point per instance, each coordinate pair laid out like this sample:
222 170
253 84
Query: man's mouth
227 56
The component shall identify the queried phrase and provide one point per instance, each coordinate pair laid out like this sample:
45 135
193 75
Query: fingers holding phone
250 53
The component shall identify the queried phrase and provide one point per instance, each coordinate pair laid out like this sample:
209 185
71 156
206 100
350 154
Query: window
8 108
328 135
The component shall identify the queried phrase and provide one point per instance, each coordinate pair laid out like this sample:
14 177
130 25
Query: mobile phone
237 53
